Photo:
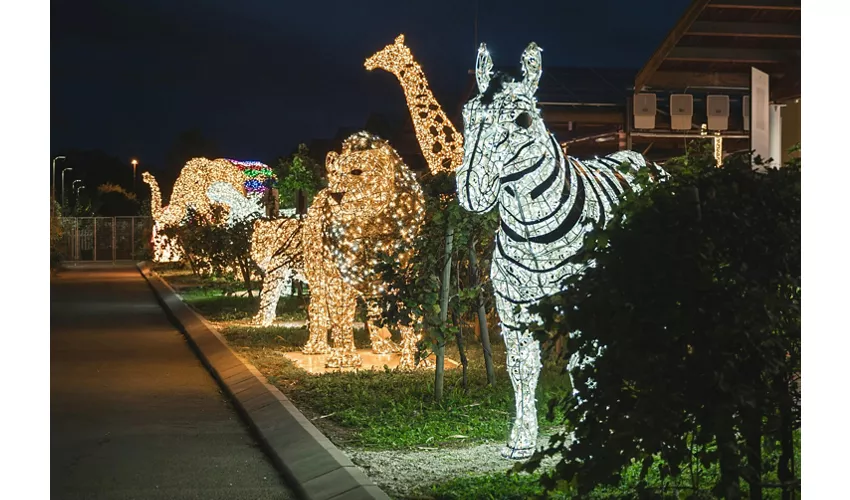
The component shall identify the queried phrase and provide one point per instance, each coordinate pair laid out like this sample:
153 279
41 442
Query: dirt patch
400 472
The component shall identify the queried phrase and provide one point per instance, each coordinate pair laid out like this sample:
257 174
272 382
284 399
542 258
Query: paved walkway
133 413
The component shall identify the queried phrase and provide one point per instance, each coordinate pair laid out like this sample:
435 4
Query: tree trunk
752 418
786 439
444 311
464 363
729 486
246 276
482 317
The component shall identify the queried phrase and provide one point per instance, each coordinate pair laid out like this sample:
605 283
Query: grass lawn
395 411
386 409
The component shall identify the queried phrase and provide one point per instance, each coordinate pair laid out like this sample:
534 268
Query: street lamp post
63 185
134 162
72 190
53 178
77 198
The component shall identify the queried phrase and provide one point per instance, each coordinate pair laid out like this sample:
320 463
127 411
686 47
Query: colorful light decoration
547 203
240 207
441 143
227 181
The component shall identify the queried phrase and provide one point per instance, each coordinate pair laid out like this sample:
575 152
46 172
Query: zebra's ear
532 67
483 68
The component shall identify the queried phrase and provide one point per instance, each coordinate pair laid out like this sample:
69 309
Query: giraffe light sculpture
547 203
440 142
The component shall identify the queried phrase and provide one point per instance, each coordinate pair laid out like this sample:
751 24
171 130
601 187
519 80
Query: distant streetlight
63 184
53 178
77 198
134 162
72 190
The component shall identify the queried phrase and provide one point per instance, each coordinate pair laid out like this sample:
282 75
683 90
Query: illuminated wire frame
165 249
201 183
718 149
276 248
547 202
440 142
372 206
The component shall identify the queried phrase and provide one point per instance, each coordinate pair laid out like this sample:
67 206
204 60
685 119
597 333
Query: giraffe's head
393 58
500 124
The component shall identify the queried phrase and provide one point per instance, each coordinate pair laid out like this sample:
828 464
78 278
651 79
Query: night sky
257 77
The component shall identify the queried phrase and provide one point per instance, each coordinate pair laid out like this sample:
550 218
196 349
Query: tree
695 302
297 173
55 235
113 200
426 291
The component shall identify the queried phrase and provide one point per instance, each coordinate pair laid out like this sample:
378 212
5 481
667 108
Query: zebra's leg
523 364
273 284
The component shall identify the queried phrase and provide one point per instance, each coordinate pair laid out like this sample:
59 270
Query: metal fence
105 238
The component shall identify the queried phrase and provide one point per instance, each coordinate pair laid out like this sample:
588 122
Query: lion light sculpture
547 203
372 206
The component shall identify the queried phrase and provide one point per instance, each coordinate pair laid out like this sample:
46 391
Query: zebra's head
499 123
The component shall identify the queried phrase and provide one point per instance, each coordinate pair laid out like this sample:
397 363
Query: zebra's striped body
538 235
547 203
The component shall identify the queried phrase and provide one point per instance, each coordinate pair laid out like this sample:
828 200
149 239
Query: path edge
311 464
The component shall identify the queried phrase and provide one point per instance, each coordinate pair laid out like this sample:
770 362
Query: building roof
581 85
716 42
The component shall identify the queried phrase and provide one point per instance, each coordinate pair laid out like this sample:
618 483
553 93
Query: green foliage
416 289
695 297
487 487
298 172
55 235
217 304
516 486
213 248
113 200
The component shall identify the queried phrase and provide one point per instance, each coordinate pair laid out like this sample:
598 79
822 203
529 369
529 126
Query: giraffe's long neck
441 143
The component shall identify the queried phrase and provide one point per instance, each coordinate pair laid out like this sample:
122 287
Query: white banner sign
760 114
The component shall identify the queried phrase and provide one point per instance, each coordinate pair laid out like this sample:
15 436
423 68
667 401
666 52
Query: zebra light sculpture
547 203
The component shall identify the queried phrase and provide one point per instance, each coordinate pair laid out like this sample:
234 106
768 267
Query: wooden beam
682 79
756 4
669 43
560 115
728 55
755 30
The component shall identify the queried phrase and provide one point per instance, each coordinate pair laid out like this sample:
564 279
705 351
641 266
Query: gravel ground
399 472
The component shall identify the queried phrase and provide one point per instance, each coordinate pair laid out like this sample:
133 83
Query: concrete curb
311 464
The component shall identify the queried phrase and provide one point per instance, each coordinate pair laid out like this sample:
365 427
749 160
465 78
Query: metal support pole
113 241
776 134
94 240
629 119
133 238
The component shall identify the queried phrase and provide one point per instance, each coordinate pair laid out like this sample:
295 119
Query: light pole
77 198
134 162
73 183
53 178
63 185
